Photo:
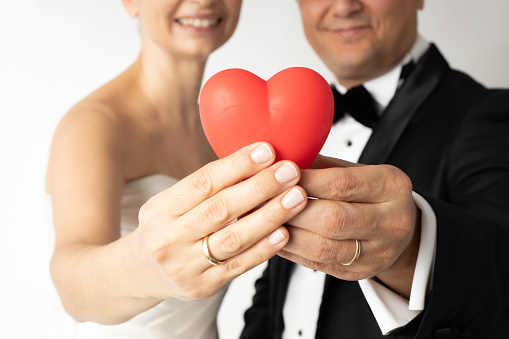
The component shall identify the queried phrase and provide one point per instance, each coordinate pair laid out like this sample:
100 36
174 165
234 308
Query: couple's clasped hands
266 211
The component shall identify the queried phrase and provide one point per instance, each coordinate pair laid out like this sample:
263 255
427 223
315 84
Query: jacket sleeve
470 287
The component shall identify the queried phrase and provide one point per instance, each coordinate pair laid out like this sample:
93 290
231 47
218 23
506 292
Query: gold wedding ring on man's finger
356 255
206 252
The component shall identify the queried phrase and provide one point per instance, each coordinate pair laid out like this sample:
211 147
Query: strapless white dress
169 319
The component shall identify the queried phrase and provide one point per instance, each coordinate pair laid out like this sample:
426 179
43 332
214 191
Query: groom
415 246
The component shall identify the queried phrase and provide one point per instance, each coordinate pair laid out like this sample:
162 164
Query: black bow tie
358 103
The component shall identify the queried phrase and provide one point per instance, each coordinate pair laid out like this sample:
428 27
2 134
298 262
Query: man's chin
351 68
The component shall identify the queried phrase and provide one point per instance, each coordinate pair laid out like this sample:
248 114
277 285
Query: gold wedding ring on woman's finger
206 252
356 255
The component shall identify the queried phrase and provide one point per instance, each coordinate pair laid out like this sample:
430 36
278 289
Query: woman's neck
171 85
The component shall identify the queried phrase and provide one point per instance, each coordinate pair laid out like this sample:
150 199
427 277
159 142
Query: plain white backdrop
54 52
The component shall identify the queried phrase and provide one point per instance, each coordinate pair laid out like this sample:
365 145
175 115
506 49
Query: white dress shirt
346 141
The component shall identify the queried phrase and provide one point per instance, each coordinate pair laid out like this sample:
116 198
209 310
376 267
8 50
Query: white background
54 52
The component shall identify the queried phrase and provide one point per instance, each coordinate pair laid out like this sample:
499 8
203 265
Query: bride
136 191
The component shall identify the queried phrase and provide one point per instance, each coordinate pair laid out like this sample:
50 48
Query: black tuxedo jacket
450 135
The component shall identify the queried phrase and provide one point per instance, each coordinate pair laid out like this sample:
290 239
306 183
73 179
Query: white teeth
198 23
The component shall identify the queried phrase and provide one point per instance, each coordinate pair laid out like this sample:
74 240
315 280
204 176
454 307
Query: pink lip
350 32
199 16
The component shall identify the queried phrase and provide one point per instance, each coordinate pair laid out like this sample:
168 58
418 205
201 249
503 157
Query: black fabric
450 135
358 103
407 70
345 293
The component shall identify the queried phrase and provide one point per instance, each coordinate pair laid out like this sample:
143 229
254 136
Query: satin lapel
408 99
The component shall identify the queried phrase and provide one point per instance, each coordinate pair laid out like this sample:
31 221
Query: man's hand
370 203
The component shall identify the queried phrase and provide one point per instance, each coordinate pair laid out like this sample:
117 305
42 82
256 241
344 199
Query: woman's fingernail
261 154
292 199
276 237
286 173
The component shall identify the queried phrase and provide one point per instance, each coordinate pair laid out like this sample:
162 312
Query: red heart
293 111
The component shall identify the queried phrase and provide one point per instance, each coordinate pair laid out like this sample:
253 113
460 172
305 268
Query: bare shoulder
87 165
99 116
90 119
89 122
89 137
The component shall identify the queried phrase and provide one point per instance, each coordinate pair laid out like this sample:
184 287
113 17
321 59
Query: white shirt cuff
392 311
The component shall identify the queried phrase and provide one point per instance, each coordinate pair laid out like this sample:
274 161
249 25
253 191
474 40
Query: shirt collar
383 88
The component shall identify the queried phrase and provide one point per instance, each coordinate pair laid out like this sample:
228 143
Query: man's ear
131 7
420 4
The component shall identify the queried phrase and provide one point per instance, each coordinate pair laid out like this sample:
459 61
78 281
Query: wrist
143 272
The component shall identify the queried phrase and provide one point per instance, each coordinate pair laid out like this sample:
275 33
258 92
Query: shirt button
300 333
349 143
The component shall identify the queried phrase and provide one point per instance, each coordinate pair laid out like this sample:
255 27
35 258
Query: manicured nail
261 154
292 199
286 173
276 237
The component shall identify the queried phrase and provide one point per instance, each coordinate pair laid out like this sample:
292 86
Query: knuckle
239 164
269 215
217 211
386 256
398 180
403 229
323 252
404 183
377 256
343 185
231 241
148 212
405 223
145 215
398 225
236 266
258 186
157 252
202 182
334 221
258 255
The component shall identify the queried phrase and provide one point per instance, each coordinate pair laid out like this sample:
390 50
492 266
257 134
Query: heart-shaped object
293 111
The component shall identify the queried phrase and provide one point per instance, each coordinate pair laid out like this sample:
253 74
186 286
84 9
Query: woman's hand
222 199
